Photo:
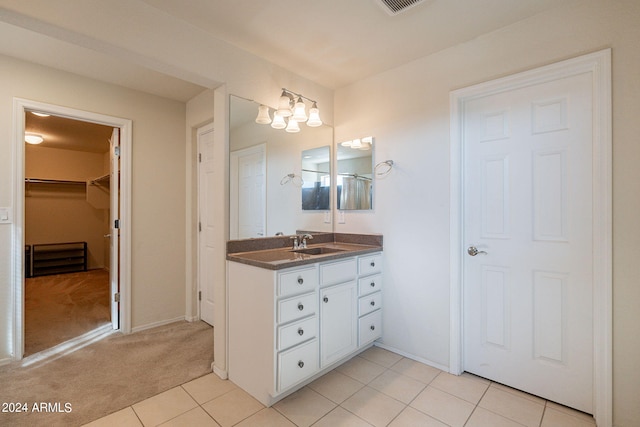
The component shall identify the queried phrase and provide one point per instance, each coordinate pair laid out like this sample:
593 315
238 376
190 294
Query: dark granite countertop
275 253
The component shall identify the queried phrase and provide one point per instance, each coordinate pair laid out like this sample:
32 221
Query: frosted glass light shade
356 143
263 115
299 111
284 105
292 126
278 122
314 116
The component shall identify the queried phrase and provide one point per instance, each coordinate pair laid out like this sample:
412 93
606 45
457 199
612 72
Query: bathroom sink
320 250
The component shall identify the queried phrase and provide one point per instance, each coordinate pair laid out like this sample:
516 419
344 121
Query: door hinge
200 157
199 226
116 151
199 295
116 297
116 223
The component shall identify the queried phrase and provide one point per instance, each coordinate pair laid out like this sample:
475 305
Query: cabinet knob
300 331
373 284
300 280
373 263
373 303
301 364
325 299
372 327
300 306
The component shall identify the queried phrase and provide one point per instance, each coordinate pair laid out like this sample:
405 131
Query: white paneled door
247 192
528 203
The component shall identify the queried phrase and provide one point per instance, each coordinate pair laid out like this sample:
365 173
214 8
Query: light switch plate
327 217
340 217
5 215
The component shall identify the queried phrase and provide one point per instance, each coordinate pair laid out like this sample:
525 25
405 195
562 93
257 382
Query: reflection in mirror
316 179
355 174
263 199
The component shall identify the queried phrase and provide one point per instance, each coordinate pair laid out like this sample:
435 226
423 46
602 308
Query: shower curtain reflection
354 193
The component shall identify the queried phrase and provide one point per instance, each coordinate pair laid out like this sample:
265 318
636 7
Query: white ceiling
331 42
138 43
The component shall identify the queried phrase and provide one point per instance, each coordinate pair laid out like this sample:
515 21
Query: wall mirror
354 180
316 179
266 175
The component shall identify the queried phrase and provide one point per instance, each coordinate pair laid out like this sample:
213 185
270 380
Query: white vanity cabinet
338 310
289 326
369 298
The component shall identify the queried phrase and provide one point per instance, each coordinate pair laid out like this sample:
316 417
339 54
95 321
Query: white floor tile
164 406
443 406
514 407
123 418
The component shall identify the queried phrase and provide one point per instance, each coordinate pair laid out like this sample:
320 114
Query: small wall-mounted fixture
32 138
383 168
293 178
363 144
291 107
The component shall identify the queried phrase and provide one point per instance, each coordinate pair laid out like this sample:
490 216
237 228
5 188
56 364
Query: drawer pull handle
373 303
372 327
325 299
301 364
300 280
300 306
300 331
373 284
373 263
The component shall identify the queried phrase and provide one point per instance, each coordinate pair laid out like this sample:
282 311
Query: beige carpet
63 306
107 375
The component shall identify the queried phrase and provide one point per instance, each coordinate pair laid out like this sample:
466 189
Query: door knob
473 251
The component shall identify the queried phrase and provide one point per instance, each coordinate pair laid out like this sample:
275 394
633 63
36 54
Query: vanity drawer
338 272
367 285
369 327
297 332
370 264
369 303
297 307
297 281
296 364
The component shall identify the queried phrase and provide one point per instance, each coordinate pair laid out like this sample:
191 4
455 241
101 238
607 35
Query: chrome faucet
295 242
304 240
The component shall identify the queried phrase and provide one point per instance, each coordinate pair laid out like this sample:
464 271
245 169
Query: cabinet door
338 322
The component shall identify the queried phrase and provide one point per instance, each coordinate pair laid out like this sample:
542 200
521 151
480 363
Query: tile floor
376 388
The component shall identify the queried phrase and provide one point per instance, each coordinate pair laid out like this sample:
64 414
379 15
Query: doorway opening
66 230
71 198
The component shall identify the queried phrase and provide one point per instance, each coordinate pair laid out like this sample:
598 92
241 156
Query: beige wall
407 110
158 184
61 213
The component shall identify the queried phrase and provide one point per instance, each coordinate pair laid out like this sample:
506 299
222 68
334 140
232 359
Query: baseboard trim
156 324
413 357
6 361
223 374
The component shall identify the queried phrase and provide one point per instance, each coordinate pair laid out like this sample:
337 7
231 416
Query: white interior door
114 238
248 192
528 203
207 227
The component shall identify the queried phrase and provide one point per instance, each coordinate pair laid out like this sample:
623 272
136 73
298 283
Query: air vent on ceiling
394 7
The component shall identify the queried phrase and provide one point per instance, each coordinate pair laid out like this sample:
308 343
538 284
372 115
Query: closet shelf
52 181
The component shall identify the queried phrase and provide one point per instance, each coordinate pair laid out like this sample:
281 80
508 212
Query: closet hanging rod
52 181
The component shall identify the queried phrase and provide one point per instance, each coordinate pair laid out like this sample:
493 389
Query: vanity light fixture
291 107
363 144
32 138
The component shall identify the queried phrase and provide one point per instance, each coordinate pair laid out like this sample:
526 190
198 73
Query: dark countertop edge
284 264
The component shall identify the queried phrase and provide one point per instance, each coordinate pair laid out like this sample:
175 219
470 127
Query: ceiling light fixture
291 106
39 114
32 138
